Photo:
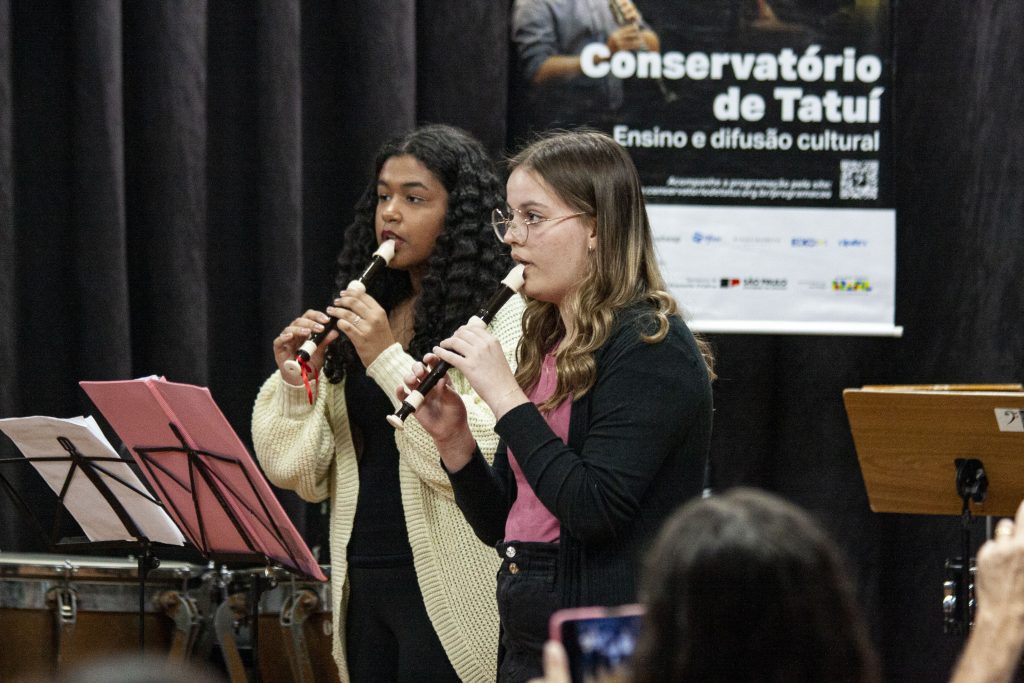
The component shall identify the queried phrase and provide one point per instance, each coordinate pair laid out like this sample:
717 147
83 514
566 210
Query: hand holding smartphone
599 641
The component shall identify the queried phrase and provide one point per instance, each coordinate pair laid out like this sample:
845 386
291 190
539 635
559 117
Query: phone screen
599 641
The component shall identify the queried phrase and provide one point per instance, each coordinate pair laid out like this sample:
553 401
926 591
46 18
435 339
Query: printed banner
761 130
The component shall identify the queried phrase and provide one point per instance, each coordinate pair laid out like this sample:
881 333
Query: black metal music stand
942 450
233 502
205 476
101 478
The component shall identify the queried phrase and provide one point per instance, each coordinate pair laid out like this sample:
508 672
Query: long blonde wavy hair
590 172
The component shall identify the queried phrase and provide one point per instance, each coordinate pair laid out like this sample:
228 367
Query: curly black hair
467 261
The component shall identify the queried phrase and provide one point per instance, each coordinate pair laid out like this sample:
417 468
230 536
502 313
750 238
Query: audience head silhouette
745 586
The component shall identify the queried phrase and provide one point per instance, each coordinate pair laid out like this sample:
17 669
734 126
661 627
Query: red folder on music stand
202 471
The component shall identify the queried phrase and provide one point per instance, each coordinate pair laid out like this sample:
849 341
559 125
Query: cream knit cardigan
309 449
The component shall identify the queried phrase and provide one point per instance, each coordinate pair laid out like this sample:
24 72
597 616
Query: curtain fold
98 193
8 241
165 51
10 534
458 67
46 301
278 291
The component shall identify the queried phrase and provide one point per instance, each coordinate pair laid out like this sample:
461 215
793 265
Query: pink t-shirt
529 520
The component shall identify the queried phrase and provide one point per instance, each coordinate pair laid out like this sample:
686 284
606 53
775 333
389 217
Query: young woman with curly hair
606 424
412 587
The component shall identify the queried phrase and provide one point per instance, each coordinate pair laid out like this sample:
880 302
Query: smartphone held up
599 641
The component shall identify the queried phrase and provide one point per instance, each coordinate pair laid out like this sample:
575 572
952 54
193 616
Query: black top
379 537
637 445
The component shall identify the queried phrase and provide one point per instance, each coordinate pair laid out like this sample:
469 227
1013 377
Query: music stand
941 450
131 519
202 472
205 476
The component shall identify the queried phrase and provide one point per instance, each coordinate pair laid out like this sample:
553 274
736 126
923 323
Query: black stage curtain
174 177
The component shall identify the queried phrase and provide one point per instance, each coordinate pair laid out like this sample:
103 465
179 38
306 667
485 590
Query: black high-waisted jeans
527 597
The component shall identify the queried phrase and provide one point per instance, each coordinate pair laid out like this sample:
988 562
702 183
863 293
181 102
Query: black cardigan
637 445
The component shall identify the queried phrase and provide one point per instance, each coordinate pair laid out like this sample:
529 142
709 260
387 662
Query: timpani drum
58 611
294 633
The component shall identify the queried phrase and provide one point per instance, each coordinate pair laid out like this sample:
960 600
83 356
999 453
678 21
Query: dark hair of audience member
745 586
141 668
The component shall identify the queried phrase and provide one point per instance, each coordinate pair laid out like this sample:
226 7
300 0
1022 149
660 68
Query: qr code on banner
858 179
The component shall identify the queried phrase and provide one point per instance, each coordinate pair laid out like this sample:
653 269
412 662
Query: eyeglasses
518 223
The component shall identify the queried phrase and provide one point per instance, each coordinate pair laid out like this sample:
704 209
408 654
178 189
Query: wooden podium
942 450
909 440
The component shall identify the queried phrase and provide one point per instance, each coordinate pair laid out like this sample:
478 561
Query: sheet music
37 436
